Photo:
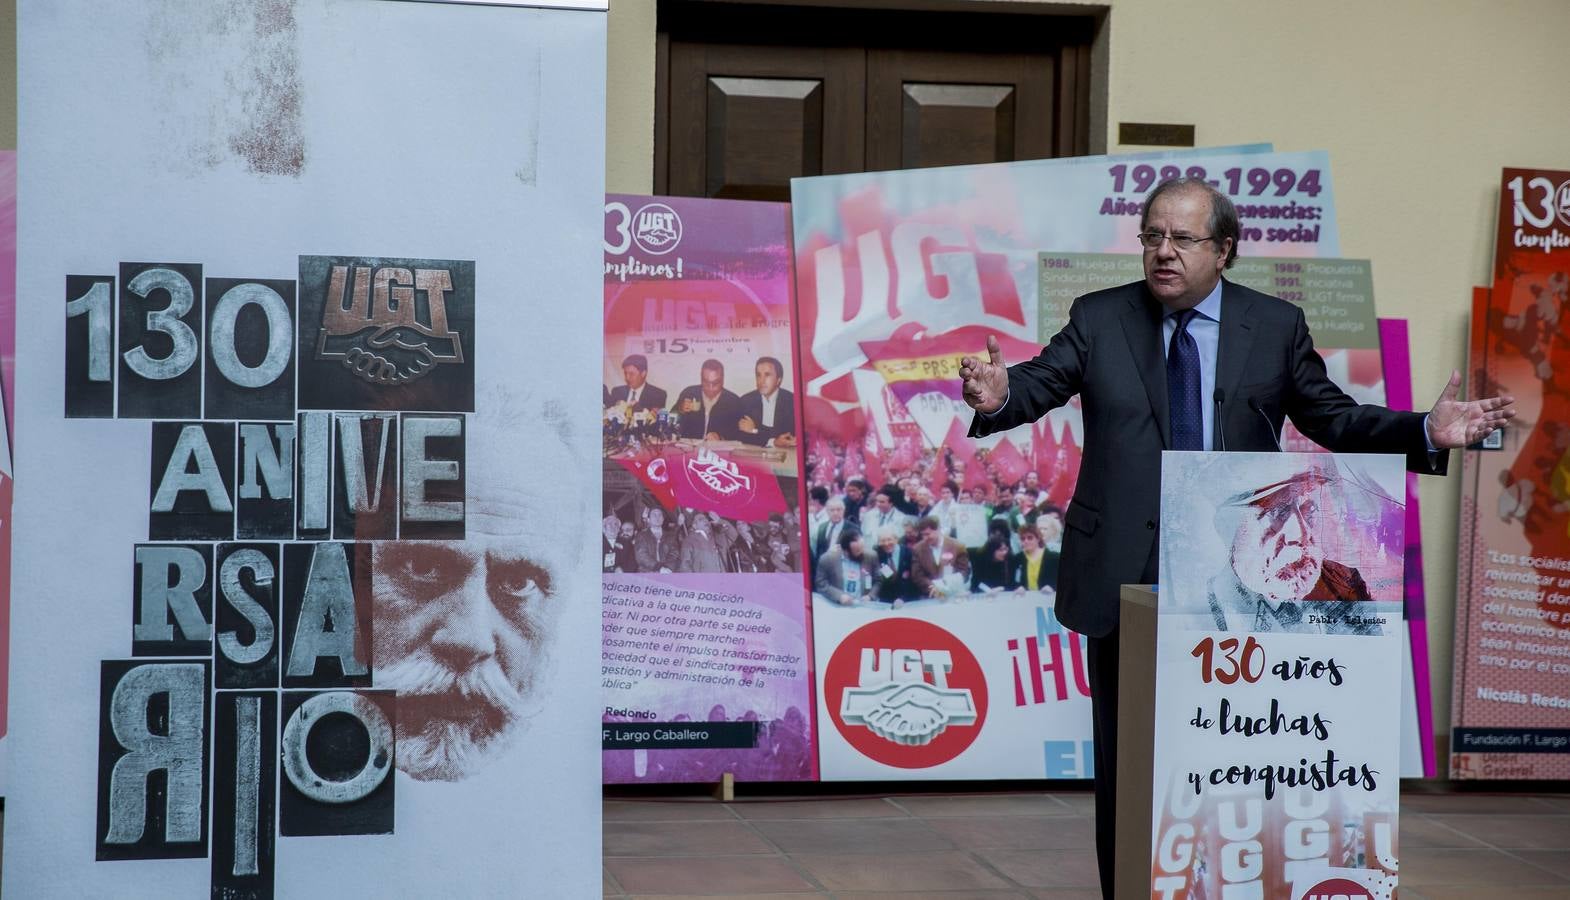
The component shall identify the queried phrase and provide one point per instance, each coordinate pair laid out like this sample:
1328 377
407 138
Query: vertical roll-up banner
310 606
1510 718
705 661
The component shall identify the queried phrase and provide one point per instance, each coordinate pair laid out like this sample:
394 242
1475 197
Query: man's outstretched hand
1456 423
985 381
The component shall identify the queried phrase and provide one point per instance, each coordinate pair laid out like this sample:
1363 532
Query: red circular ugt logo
1338 889
905 693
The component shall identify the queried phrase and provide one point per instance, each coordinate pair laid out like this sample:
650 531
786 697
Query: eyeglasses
1150 240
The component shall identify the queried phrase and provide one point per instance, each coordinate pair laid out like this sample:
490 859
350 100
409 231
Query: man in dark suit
707 410
1183 360
894 564
828 534
768 414
637 392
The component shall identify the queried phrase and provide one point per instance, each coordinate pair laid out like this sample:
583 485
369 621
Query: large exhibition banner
7 395
705 662
1278 674
1510 717
899 275
307 604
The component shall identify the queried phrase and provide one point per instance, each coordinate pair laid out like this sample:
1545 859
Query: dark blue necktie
1183 400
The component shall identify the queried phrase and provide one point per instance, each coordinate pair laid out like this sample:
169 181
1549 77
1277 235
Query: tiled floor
1454 845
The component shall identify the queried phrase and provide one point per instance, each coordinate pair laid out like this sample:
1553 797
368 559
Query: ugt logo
388 324
657 229
905 693
718 474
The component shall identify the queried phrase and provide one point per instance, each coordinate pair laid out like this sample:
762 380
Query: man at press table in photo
1182 360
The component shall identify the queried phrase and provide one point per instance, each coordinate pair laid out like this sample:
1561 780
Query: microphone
1254 405
1221 431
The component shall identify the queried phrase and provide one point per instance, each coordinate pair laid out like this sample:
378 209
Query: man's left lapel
1237 339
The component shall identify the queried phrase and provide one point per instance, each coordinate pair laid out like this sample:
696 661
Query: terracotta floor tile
1461 892
931 895
667 811
940 870
852 835
1469 804
1515 832
1555 861
1420 832
826 808
985 805
1082 802
1019 832
701 875
681 839
792 896
1559 802
1428 869
1045 868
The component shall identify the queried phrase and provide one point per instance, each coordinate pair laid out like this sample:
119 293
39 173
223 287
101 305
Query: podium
1259 686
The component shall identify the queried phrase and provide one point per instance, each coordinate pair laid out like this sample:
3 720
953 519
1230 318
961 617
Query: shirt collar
1210 307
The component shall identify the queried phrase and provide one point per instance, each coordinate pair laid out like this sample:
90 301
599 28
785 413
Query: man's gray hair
1223 215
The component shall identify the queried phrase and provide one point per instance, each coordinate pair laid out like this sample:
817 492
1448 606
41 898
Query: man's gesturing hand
1457 423
985 381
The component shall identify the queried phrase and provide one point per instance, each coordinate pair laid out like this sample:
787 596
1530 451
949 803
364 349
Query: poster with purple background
705 667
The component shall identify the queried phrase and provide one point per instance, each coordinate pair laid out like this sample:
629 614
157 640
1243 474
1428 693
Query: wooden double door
748 97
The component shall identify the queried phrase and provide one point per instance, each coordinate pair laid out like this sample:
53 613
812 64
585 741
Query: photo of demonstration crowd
925 525
638 534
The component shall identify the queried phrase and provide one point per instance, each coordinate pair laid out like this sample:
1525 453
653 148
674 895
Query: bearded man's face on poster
1274 550
463 630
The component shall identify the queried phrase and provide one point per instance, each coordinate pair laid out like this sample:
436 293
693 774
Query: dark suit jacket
1046 578
820 538
1110 354
722 418
784 416
650 397
924 569
831 569
898 585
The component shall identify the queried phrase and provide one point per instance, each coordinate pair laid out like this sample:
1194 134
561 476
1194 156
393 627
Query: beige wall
1420 103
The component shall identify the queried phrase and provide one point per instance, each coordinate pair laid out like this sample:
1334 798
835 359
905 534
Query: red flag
874 467
1008 462
940 473
1044 447
654 473
1065 472
964 449
716 482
